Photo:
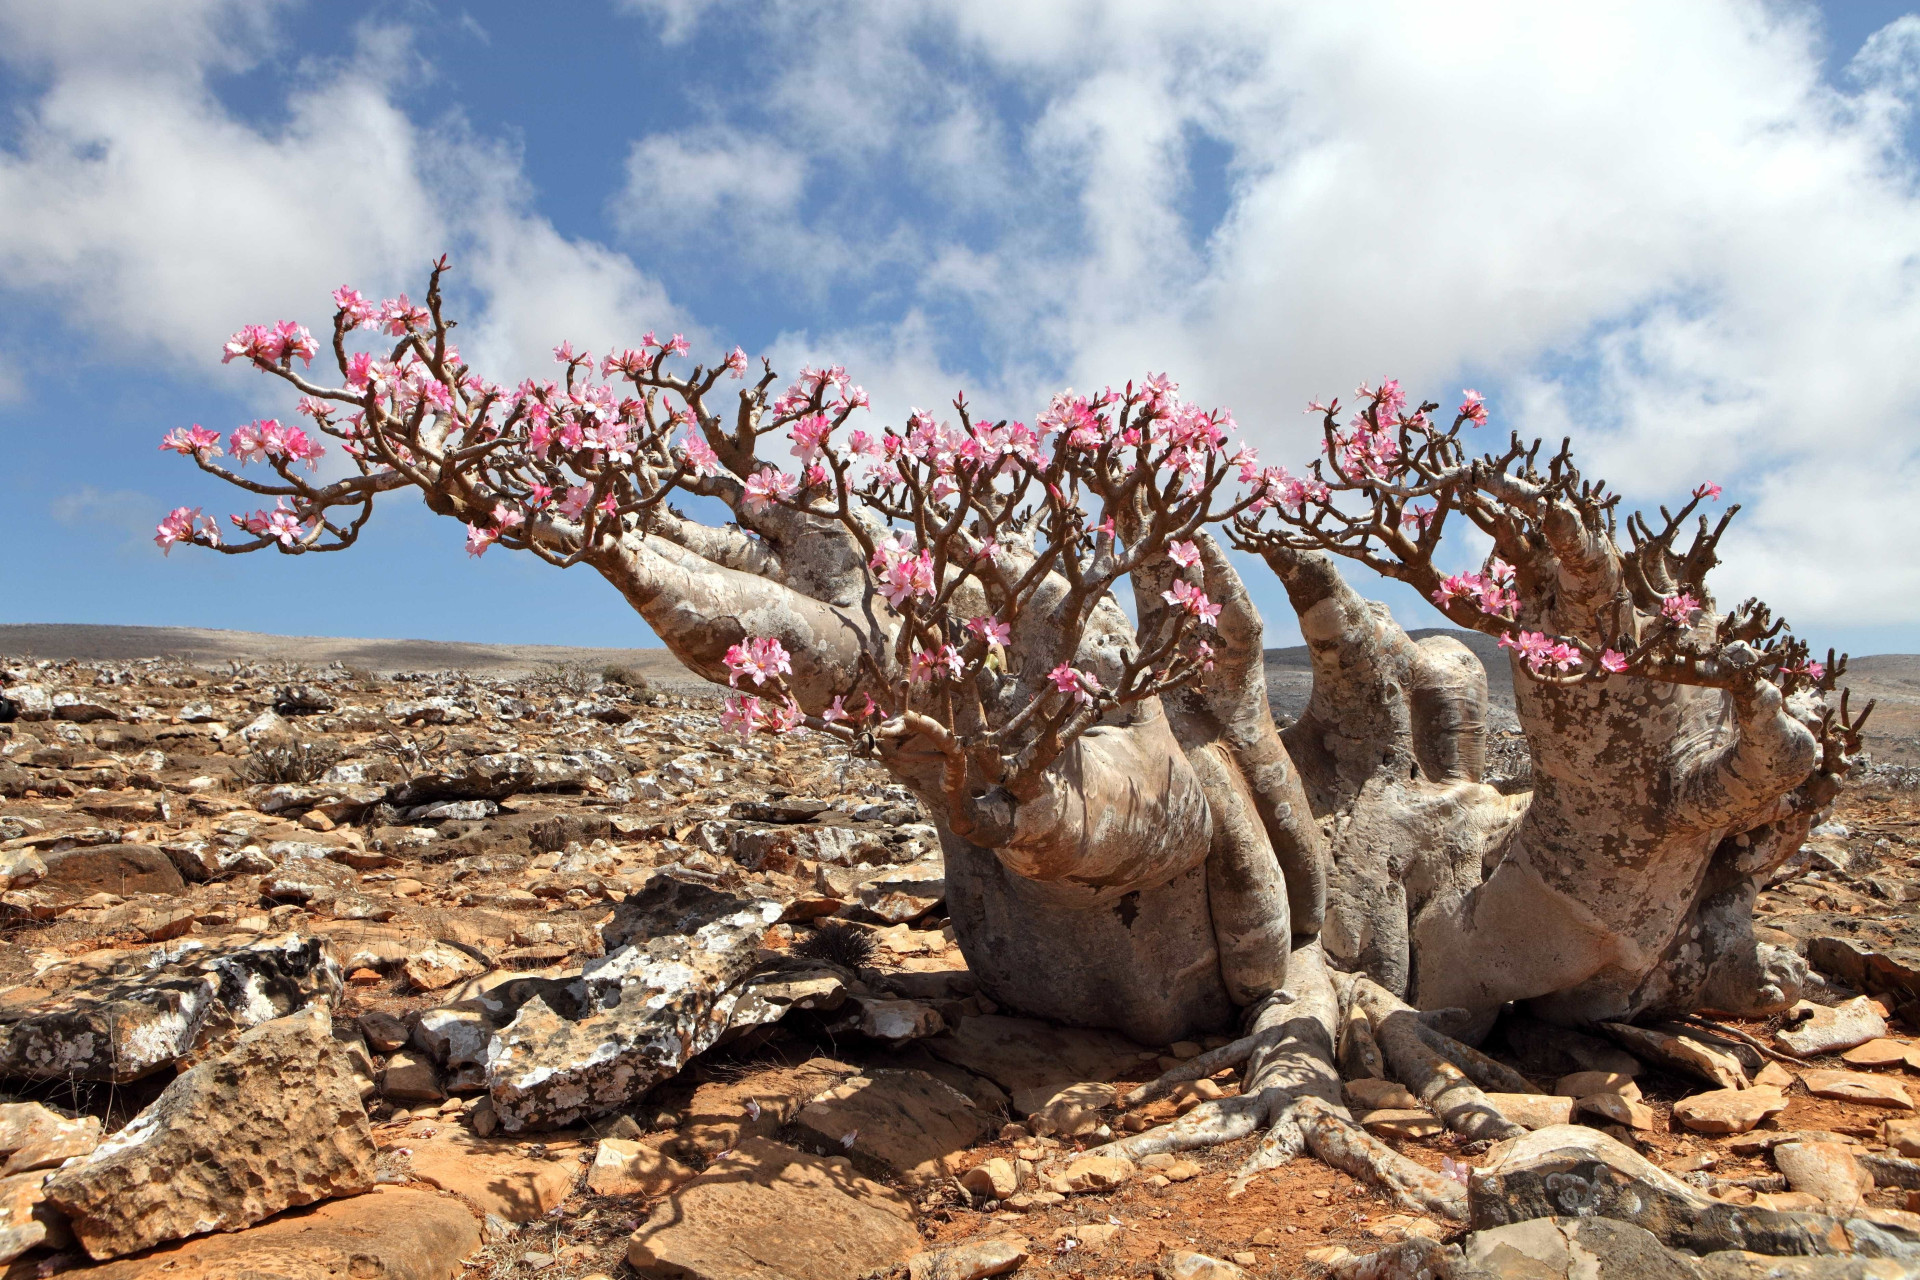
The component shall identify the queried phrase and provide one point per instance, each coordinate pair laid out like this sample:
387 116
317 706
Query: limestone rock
994 1180
1574 1171
1583 1084
1097 1173
1618 1108
495 1176
654 1003
1878 1053
1070 1112
437 965
1396 1122
1857 1086
274 1122
1734 1264
456 1035
1533 1110
1728 1110
969 1260
768 1212
32 1137
393 1233
1184 1265
1823 1029
122 869
410 1077
899 1021
1904 1136
1827 1170
624 1167
156 1005
1570 1248
1681 1053
20 868
907 1120
26 1220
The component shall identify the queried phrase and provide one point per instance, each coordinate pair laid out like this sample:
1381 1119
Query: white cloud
1655 226
160 221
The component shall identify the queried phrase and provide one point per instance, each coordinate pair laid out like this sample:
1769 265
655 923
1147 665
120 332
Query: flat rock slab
1569 1247
495 1176
1533 1110
769 1212
1857 1086
907 1120
1882 1053
123 869
391 1233
1728 1110
1827 1170
1021 1053
970 1260
274 1123
1821 1029
151 1007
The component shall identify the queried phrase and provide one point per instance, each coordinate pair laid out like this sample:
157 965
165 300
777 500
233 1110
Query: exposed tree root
1443 1087
1227 1055
1416 1258
1484 1071
1351 1149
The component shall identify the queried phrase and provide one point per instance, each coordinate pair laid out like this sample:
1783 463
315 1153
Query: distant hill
1892 679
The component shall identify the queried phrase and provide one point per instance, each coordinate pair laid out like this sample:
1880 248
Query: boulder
1097 1173
121 869
1857 1086
20 868
1827 1170
907 1120
1569 1248
154 1006
1893 971
1728 1110
456 1036
495 1176
274 1122
1819 1029
308 881
410 1076
202 860
651 1004
392 1233
769 1212
626 1167
969 1260
1733 1264
1574 1171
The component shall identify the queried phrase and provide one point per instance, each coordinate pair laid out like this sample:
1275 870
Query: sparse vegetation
847 945
278 760
627 678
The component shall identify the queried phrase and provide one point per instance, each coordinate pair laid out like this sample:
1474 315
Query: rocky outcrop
156 1006
679 952
273 1123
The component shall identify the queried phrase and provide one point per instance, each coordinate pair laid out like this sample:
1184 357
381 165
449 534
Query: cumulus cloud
159 220
1657 227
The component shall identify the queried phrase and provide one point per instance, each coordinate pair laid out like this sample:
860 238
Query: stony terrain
321 972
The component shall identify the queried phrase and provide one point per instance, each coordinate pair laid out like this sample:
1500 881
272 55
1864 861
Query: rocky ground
312 972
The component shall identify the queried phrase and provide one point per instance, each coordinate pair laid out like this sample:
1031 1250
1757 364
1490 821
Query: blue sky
1685 234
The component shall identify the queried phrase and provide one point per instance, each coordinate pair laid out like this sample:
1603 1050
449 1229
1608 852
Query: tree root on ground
1443 1087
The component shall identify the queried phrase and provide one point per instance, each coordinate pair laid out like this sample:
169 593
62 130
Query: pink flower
992 630
763 659
359 369
574 505
180 525
838 711
740 714
810 436
400 316
479 539
284 527
196 440
1679 609
1613 661
1184 554
767 487
1474 407
908 576
676 347
1081 684
1193 600
701 458
1707 490
1540 652
784 718
358 310
563 354
737 362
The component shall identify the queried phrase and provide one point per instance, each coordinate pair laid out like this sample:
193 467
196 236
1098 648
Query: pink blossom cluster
1473 407
1680 609
1183 595
271 346
181 525
992 630
1540 651
266 439
194 441
763 658
744 713
1491 590
1082 686
927 665
397 317
281 524
1281 488
905 571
